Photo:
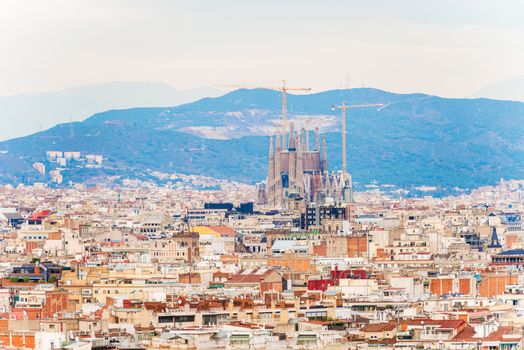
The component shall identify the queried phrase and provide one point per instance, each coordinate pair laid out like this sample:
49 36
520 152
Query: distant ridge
42 110
414 140
510 89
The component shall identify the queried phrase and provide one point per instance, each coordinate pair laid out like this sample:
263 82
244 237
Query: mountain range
42 110
509 89
413 140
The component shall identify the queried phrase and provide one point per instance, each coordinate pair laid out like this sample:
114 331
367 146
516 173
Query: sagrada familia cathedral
298 175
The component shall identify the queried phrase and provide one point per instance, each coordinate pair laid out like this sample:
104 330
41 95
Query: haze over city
448 48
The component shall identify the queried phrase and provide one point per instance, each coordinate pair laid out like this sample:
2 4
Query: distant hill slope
510 89
35 111
414 140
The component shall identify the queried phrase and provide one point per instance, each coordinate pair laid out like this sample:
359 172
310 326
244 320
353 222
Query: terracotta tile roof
452 324
217 231
244 325
219 274
250 276
156 306
39 215
223 230
499 334
468 335
421 321
141 237
379 327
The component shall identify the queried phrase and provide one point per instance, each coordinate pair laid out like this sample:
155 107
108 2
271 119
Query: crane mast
284 89
344 107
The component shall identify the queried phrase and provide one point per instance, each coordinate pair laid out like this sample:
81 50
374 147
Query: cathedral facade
298 175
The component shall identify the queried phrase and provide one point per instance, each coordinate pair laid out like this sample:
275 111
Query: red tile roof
379 327
249 276
452 324
421 321
223 230
40 215
468 335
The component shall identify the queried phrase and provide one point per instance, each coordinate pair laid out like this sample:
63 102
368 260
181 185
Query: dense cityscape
261 175
299 261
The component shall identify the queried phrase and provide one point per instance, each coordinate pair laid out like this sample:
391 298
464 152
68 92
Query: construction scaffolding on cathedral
298 175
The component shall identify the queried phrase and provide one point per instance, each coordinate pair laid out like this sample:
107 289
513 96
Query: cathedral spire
271 161
495 243
306 141
299 178
277 183
317 140
324 155
271 150
292 137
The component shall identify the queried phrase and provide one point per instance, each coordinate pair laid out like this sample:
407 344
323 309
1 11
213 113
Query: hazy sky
445 47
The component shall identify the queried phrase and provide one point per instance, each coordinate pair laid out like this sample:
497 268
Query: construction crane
284 89
344 107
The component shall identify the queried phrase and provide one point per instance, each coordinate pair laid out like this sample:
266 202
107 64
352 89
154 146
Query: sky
450 48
